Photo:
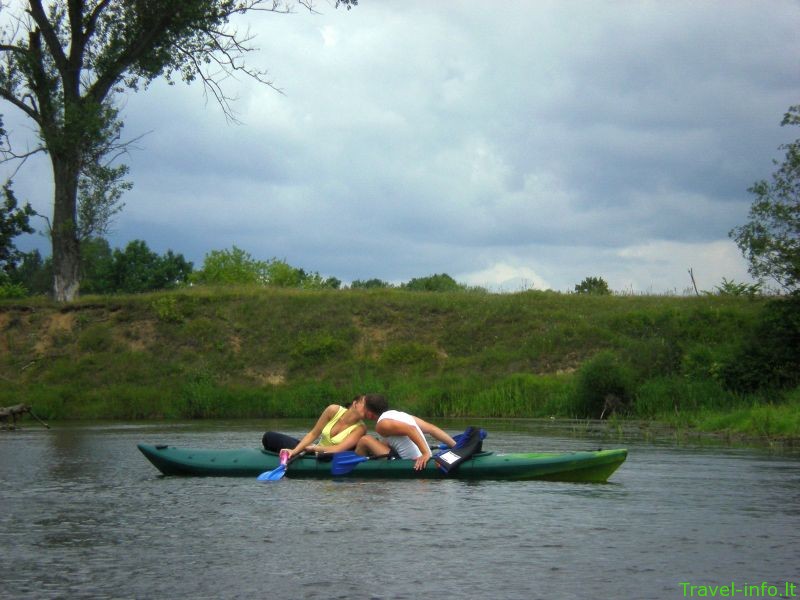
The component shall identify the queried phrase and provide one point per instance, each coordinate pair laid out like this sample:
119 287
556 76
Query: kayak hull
595 467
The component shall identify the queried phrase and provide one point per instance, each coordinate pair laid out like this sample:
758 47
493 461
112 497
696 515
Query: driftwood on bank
9 414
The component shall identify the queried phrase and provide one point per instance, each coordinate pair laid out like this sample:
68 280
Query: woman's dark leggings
275 441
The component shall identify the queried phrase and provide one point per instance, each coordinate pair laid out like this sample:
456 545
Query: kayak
593 466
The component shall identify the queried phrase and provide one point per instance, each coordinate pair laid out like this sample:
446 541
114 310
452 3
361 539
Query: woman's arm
312 435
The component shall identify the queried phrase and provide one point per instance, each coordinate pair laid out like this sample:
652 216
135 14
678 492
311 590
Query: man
404 435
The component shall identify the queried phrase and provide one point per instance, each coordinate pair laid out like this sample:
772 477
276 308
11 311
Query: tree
13 222
33 273
139 269
97 263
229 267
63 63
434 283
596 286
769 357
770 240
282 274
369 284
235 266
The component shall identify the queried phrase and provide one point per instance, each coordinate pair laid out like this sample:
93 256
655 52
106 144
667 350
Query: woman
337 429
404 436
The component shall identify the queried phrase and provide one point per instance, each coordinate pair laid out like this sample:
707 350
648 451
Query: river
84 515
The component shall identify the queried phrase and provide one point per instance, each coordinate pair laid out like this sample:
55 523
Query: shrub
663 397
97 338
603 385
653 357
369 284
12 290
770 356
410 354
234 266
167 309
700 363
316 348
593 285
732 288
434 283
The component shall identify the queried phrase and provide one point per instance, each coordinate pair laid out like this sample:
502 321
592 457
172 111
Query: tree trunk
66 248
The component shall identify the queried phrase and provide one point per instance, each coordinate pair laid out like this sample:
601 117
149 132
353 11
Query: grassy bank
255 352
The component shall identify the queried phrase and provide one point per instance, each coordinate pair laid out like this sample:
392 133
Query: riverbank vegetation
713 363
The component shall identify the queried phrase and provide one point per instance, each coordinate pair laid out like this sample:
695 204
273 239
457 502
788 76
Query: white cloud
503 277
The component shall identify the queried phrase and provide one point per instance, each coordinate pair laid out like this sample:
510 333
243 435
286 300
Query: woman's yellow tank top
327 440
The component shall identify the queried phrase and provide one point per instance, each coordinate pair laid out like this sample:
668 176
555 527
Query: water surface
84 515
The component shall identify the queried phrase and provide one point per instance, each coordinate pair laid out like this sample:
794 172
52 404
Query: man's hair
376 403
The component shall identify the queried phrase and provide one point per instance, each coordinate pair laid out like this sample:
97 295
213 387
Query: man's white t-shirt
402 444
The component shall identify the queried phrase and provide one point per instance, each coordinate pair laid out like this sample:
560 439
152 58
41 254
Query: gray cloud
530 142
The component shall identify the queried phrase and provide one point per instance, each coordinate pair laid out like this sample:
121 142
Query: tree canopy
14 220
770 240
593 285
238 267
434 283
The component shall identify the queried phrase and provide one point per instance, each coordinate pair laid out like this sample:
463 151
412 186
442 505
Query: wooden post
691 274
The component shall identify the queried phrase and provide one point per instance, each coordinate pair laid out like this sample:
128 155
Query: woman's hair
376 403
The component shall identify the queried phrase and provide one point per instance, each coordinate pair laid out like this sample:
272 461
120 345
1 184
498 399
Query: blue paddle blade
273 475
344 462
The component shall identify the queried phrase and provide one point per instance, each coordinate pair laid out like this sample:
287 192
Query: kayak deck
593 466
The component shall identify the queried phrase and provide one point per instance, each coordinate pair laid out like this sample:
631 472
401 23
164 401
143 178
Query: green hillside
260 352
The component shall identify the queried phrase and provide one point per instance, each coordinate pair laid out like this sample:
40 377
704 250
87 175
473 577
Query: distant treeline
137 269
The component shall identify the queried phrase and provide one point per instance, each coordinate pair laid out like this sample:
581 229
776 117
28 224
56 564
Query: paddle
279 471
344 462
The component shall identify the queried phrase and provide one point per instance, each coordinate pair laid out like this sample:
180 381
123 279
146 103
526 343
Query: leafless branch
8 155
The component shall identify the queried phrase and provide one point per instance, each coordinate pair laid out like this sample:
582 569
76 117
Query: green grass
245 352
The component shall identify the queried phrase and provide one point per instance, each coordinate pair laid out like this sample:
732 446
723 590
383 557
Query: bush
700 363
133 270
167 309
653 357
234 266
663 397
593 285
34 273
11 290
604 385
369 284
732 288
434 283
770 356
313 349
410 354
97 338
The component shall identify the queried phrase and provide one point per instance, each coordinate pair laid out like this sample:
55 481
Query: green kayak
596 466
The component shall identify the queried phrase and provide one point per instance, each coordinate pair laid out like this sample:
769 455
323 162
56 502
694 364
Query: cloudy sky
514 144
